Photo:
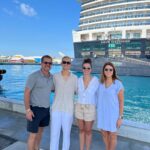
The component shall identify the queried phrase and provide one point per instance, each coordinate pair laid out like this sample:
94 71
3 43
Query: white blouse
87 95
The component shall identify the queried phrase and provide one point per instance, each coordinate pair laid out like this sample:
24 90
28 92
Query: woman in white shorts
85 107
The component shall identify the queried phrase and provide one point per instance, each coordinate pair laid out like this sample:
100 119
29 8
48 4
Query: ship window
128 35
100 53
85 48
147 45
137 53
147 52
136 35
148 34
114 46
133 46
100 47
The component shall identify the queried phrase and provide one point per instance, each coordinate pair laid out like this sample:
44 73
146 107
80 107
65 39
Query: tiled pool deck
13 125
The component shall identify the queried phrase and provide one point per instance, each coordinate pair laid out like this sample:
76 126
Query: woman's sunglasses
66 62
106 69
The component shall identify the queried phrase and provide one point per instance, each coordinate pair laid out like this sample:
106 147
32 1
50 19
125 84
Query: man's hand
29 115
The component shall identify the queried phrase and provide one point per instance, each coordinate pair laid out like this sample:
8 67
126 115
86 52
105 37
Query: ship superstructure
116 31
114 28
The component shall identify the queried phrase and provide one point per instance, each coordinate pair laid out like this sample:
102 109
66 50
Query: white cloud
27 10
10 13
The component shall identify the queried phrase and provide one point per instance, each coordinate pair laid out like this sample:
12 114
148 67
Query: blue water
137 90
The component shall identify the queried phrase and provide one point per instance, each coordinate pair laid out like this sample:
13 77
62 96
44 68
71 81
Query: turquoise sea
137 90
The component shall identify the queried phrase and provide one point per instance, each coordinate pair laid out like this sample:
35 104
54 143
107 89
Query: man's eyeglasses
88 68
45 62
66 62
106 69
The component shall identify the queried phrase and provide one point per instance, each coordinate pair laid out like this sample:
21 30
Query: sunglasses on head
66 62
45 62
106 69
86 68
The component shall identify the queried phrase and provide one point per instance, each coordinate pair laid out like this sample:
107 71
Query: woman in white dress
110 105
85 110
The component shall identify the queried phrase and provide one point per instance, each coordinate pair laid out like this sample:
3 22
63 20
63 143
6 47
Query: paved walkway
13 136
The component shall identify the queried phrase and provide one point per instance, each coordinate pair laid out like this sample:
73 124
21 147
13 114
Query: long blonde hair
114 76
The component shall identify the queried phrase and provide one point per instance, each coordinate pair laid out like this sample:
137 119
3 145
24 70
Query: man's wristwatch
121 117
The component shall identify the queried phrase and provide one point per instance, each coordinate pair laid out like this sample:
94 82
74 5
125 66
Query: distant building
17 59
4 59
28 59
37 59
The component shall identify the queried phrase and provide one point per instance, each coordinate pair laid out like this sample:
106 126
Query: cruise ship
116 31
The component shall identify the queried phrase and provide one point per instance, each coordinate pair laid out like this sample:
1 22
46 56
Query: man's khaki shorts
85 112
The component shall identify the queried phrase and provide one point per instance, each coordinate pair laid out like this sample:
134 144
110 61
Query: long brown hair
114 76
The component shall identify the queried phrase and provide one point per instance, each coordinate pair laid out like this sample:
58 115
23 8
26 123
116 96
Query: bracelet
121 117
28 110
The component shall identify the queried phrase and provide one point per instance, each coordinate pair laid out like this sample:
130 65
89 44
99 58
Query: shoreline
129 129
19 63
24 63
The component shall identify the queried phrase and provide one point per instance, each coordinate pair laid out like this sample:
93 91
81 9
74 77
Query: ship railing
95 61
137 61
78 61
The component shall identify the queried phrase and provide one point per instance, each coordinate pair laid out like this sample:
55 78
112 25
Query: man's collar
42 74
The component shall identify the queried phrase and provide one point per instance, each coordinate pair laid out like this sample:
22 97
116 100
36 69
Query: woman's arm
121 107
121 102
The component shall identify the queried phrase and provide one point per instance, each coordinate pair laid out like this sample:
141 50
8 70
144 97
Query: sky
38 27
